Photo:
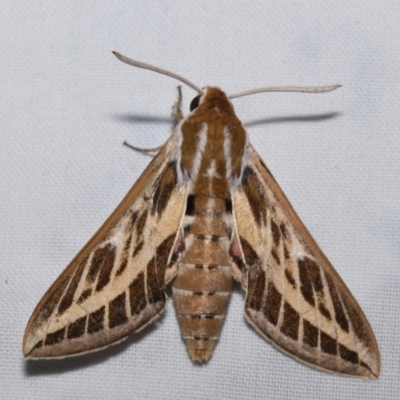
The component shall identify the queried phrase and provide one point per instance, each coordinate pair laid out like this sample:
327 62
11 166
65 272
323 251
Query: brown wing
115 285
295 298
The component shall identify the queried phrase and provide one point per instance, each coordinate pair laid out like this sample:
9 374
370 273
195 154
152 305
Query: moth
206 212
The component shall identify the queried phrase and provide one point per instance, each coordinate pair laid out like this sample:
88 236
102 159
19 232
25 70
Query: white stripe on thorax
201 144
227 152
212 171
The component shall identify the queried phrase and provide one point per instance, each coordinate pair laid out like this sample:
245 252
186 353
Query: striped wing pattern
115 285
295 298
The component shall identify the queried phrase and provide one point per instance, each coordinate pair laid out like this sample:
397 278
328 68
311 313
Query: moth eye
195 103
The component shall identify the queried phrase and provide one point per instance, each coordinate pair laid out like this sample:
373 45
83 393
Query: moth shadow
153 119
144 119
60 366
293 118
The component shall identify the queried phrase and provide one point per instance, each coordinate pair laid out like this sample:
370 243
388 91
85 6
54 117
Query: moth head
212 95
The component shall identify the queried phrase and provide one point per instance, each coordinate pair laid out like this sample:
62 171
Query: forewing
115 285
295 298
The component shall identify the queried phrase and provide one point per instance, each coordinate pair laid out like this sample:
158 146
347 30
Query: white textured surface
66 105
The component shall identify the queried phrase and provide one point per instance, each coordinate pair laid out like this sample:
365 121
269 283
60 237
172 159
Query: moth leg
176 108
143 150
175 113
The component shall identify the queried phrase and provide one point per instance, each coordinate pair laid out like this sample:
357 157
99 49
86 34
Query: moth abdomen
204 281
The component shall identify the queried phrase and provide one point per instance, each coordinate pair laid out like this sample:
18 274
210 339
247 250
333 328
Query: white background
66 106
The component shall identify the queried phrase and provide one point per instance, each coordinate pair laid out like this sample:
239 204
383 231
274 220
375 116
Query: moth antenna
140 64
311 89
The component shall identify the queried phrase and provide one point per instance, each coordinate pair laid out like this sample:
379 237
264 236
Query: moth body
210 136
